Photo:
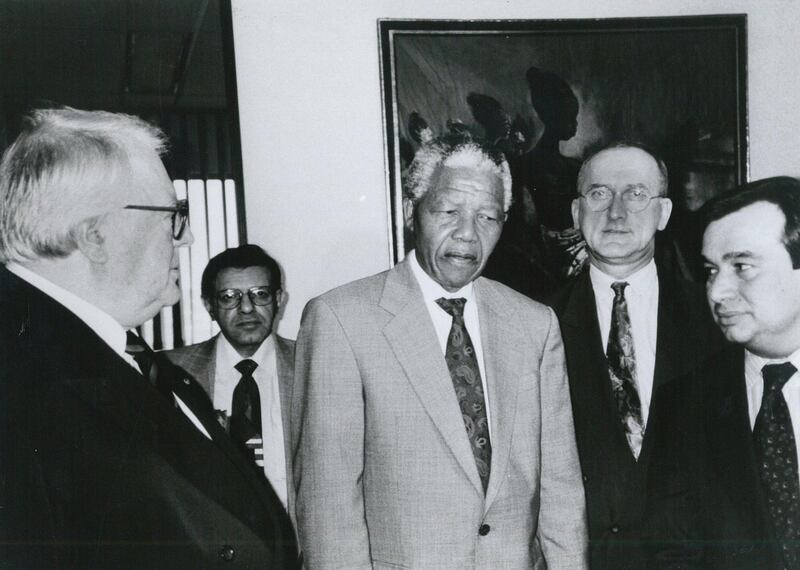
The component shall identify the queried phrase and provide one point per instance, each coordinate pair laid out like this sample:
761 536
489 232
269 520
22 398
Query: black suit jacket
100 470
636 511
733 519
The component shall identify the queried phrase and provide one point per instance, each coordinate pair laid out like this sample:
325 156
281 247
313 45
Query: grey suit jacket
199 360
384 472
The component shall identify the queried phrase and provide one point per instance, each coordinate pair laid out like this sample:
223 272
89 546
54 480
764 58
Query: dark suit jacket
621 492
100 470
199 360
733 519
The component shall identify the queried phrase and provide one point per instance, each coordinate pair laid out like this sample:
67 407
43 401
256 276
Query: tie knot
619 288
134 344
246 367
776 375
453 307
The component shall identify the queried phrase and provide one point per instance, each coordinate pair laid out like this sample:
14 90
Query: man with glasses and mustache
629 330
247 369
110 456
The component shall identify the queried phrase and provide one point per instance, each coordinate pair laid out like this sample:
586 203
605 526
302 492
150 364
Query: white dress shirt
641 295
442 321
755 389
101 323
226 377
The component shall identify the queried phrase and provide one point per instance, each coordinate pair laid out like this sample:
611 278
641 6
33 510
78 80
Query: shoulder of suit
560 298
365 290
191 349
516 300
285 342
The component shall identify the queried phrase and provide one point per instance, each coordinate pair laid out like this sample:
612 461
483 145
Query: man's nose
617 207
466 228
246 305
719 287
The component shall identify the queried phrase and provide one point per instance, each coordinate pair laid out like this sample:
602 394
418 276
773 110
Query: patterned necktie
463 365
776 452
622 370
245 425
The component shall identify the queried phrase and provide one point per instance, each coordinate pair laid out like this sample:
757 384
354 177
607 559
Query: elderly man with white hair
110 457
431 414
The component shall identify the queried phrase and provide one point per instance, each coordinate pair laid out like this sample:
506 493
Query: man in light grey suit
242 291
431 418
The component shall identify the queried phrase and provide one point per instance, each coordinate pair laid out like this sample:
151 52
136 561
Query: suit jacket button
227 553
484 529
615 529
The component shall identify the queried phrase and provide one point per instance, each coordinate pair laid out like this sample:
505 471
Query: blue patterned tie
622 370
776 453
463 365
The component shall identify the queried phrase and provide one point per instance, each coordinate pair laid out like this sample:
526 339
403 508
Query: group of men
427 417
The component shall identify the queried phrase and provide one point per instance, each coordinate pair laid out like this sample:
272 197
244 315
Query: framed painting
548 93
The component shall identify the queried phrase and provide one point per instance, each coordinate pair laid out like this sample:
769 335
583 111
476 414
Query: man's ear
90 238
576 213
210 308
666 210
408 213
281 298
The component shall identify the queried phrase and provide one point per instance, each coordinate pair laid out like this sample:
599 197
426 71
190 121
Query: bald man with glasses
247 369
629 330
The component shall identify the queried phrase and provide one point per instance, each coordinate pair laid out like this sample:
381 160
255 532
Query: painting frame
732 29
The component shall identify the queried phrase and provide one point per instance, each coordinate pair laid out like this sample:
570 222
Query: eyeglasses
635 199
180 215
232 298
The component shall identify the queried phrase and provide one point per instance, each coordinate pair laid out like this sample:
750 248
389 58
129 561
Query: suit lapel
590 384
729 421
203 363
411 335
671 319
502 363
284 353
285 361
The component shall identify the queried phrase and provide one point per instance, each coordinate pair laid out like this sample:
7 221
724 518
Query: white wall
311 123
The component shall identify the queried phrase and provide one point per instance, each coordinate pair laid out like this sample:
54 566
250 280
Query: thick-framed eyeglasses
180 215
634 199
232 298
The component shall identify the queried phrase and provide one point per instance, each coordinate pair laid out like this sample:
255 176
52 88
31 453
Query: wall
311 123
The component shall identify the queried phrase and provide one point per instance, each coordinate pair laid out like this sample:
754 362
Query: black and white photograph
401 284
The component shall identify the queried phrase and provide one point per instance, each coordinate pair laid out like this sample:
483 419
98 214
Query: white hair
66 167
464 154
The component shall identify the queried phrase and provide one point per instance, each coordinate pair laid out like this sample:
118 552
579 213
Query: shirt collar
103 324
228 357
754 363
431 290
640 281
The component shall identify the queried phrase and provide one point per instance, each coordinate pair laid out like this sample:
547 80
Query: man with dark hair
750 397
431 419
110 456
629 331
247 369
